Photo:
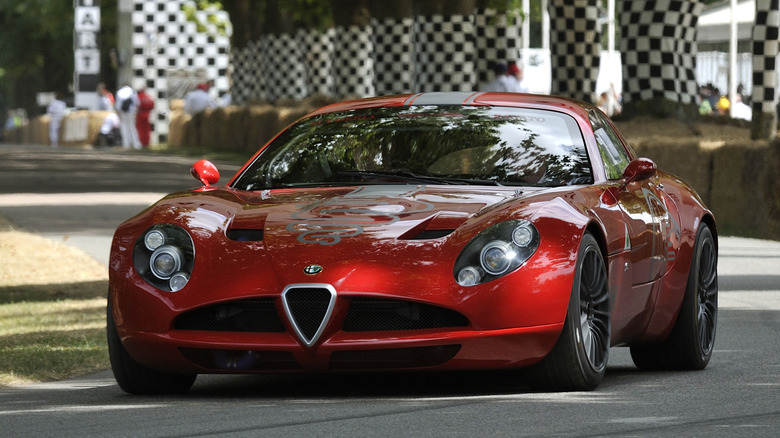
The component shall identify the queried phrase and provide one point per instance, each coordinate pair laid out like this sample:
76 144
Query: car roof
539 101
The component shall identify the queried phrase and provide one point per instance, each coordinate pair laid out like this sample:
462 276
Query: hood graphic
333 215
327 221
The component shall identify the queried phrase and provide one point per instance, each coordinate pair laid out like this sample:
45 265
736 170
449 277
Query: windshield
424 144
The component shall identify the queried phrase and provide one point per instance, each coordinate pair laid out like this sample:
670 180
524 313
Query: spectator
110 134
723 105
127 104
501 81
56 112
105 98
198 100
516 83
146 105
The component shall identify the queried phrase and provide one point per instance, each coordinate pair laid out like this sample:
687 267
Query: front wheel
135 378
579 359
689 346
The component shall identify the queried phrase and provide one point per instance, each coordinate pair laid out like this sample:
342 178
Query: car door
649 225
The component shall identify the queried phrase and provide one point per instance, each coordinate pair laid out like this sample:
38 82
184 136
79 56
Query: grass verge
52 309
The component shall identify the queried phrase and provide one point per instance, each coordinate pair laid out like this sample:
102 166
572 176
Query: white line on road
69 199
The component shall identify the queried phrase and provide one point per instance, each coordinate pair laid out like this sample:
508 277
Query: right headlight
164 256
496 251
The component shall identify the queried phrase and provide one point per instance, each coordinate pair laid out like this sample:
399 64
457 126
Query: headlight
165 261
164 256
154 239
496 257
496 251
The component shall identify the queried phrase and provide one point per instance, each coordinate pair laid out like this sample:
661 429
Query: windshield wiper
411 176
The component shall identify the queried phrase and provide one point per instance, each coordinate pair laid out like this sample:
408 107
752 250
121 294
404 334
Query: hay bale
263 125
235 129
737 197
177 127
769 183
211 129
684 159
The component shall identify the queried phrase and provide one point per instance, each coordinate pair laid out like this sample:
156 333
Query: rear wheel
135 378
579 359
689 346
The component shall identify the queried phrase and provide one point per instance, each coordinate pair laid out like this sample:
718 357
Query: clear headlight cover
164 256
496 251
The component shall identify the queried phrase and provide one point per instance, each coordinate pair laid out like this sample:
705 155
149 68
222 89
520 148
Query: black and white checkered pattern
444 53
659 49
575 40
165 44
245 80
318 60
497 39
393 42
766 33
282 67
353 63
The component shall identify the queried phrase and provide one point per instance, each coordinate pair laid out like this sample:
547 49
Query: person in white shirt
515 75
198 100
126 107
501 81
56 111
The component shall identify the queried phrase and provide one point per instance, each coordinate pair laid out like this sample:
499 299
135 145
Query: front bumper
224 352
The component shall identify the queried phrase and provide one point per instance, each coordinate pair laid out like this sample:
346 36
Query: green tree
36 49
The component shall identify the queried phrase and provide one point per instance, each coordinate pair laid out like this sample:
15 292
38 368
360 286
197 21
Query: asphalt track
79 196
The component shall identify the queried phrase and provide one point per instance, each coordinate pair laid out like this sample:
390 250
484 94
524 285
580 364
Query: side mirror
637 170
206 172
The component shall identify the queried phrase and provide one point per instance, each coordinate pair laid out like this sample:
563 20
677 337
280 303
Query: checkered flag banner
393 42
497 38
658 45
575 41
353 64
444 53
164 45
318 60
766 32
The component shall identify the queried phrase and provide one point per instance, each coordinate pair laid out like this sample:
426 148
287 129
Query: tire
135 378
690 344
579 358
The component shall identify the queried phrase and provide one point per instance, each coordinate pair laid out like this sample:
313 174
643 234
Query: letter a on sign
87 19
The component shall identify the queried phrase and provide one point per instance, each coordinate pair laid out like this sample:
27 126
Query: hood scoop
245 235
434 227
248 228
428 234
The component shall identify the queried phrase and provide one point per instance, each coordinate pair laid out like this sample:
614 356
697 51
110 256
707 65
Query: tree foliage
36 49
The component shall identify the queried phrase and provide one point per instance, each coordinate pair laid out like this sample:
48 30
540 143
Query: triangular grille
308 308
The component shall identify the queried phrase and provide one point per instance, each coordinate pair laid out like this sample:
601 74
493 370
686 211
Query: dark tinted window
611 148
424 144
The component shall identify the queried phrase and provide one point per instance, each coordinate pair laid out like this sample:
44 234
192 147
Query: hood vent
430 234
309 308
245 235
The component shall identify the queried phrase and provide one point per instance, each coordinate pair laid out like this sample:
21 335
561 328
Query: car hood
327 217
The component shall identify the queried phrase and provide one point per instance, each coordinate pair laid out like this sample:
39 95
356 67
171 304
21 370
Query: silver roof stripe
442 98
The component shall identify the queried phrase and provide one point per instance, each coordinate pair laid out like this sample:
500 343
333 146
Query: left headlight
496 251
164 256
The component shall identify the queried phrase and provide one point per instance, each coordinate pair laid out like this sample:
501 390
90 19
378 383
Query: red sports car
420 232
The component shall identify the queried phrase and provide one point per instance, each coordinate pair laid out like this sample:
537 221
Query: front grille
370 314
393 358
309 309
241 360
252 315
